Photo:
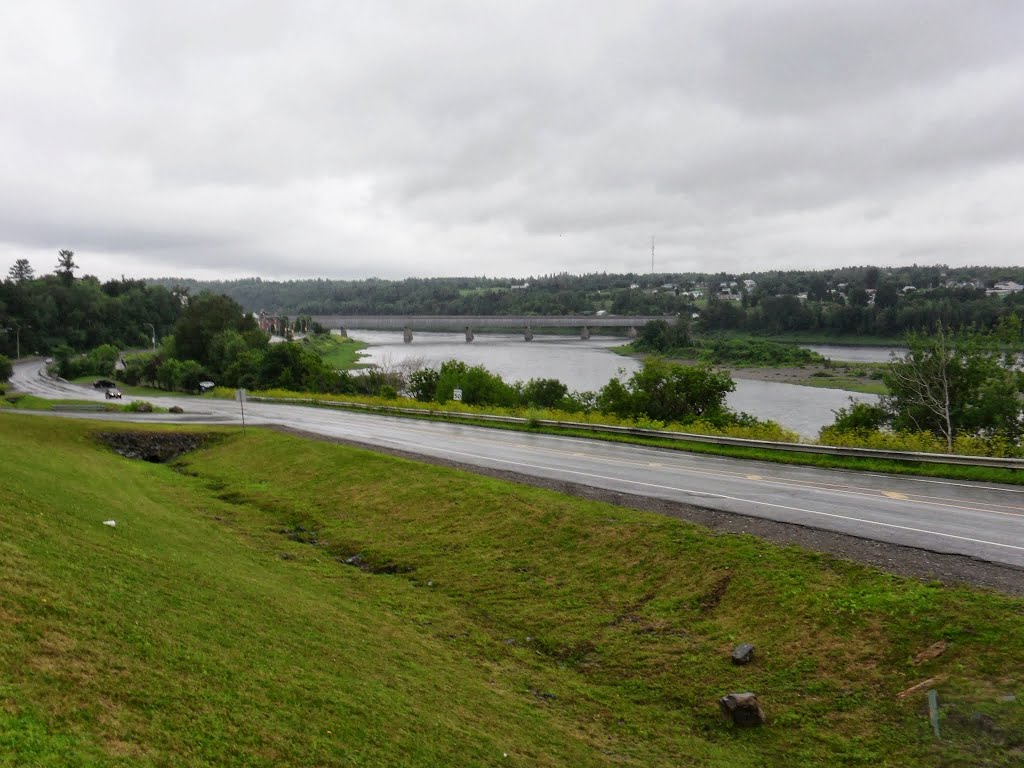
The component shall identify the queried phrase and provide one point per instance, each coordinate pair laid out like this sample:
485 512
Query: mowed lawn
268 600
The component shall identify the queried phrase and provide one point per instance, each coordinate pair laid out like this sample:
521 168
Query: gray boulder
743 709
743 654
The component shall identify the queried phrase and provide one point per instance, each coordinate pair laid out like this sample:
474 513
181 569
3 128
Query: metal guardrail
739 442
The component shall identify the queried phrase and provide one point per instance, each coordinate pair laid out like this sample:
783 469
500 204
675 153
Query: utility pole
153 337
17 339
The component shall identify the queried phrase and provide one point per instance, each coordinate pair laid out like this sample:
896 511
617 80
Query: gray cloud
331 139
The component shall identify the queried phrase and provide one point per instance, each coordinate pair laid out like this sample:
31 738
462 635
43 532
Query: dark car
113 393
104 383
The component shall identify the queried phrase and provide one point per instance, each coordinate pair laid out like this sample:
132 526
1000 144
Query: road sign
457 395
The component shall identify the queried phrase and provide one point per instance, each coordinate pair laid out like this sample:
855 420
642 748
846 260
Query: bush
859 417
479 386
920 442
754 353
6 369
668 392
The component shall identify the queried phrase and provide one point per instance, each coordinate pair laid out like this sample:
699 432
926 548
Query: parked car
113 393
104 384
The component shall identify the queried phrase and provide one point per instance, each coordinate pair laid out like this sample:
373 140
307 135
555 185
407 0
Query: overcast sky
357 139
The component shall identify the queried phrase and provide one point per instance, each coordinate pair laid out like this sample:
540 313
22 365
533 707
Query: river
855 354
588 365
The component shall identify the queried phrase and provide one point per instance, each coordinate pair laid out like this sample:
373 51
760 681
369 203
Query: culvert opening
154 447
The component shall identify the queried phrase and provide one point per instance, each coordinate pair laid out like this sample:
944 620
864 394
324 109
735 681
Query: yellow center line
814 485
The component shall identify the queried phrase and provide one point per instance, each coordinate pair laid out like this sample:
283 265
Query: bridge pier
528 334
469 334
584 333
407 335
632 332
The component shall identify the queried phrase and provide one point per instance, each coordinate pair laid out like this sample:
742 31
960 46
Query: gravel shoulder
920 564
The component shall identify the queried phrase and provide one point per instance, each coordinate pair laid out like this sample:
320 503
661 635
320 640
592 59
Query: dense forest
41 314
864 301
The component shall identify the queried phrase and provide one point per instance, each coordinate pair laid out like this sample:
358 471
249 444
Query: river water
588 365
855 354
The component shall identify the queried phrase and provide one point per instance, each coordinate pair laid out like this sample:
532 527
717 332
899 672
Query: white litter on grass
111 523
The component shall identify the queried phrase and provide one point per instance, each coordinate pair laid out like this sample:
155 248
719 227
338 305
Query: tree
659 336
858 297
886 296
66 265
21 272
543 393
668 392
479 386
6 369
952 383
206 316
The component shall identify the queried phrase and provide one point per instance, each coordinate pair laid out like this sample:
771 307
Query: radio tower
652 255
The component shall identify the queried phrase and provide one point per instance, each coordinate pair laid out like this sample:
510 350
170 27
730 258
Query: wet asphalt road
975 519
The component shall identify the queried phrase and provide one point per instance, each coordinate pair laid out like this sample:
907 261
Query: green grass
817 337
23 402
340 352
217 624
844 381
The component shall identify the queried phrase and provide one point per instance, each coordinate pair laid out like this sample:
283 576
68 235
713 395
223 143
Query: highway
985 521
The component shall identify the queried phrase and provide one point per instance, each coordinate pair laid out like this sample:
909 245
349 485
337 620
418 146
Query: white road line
741 500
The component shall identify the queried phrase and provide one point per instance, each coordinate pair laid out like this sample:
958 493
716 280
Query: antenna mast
652 255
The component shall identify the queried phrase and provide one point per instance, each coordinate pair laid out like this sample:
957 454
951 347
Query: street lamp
17 338
153 329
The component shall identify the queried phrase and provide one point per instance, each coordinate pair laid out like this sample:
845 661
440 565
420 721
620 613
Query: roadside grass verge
280 601
25 402
467 413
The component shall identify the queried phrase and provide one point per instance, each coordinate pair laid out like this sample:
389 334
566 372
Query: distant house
1004 288
522 287
264 321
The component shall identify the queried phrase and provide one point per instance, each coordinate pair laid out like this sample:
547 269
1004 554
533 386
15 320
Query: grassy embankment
338 351
218 624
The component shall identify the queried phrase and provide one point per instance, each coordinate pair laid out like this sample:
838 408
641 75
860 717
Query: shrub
859 417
